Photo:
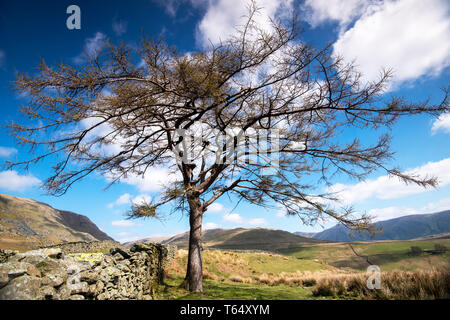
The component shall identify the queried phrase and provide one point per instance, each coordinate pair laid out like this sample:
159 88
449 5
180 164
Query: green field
219 290
294 273
388 255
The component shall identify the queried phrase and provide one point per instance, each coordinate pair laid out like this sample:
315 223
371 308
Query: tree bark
194 272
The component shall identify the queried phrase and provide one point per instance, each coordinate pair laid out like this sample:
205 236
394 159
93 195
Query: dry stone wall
57 274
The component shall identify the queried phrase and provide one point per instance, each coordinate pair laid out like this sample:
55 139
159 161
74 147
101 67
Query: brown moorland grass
418 285
333 283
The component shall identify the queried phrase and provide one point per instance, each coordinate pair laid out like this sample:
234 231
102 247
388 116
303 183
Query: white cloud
441 205
142 198
223 16
410 36
319 11
210 225
215 207
6 152
123 223
126 198
12 181
281 212
119 27
391 213
95 44
442 123
153 180
233 217
92 46
237 219
123 199
380 214
386 187
257 222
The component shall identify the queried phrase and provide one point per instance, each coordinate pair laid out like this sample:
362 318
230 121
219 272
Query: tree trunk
194 273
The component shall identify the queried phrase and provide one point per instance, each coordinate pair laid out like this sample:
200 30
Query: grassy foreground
317 271
221 290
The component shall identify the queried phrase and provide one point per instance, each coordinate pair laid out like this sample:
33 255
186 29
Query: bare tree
120 113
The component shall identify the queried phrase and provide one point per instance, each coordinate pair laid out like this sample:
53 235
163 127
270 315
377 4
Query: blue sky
410 36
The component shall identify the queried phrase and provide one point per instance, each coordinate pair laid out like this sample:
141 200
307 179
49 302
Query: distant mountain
25 223
305 234
403 228
147 240
243 239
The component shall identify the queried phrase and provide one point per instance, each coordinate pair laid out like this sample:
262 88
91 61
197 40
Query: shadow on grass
217 290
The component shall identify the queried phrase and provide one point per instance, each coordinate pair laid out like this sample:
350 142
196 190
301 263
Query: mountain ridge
241 239
402 228
26 223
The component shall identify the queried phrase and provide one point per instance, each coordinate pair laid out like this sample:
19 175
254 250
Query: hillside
307 271
25 224
305 234
147 240
403 228
244 239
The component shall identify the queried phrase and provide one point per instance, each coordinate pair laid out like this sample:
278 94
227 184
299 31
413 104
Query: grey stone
54 279
77 288
49 293
21 268
123 253
4 278
89 276
22 288
52 252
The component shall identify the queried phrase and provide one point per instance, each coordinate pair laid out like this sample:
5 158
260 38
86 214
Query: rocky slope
27 224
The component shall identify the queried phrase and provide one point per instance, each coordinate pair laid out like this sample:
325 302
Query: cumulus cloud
215 207
320 11
282 212
380 214
223 16
120 27
13 181
6 152
237 219
411 37
386 187
92 46
441 124
257 222
233 217
126 198
142 198
440 205
123 199
210 225
153 180
393 212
